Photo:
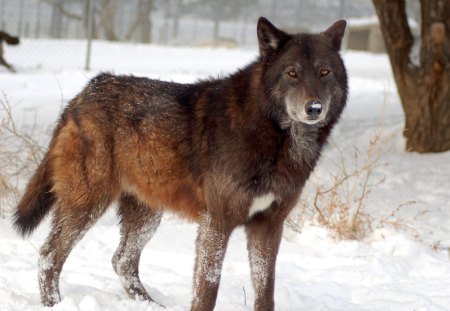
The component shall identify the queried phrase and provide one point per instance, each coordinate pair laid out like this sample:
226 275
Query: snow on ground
389 270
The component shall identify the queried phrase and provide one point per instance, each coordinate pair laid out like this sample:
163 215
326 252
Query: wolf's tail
37 200
9 39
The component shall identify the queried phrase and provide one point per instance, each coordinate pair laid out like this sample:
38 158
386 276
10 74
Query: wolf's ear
270 38
336 33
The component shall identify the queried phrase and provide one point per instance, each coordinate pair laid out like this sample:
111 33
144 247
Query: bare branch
60 6
396 32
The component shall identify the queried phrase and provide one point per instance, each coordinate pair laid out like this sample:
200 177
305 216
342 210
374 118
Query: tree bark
424 88
146 7
176 18
142 21
107 17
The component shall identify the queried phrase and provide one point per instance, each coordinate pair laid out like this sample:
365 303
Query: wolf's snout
313 108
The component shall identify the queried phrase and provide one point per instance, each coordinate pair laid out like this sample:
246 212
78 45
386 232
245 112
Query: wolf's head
303 74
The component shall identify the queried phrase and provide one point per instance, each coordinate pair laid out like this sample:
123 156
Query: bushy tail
36 202
9 39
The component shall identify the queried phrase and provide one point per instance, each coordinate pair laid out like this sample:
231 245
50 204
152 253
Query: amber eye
292 73
324 72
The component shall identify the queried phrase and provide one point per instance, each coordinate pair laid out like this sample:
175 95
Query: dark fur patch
36 202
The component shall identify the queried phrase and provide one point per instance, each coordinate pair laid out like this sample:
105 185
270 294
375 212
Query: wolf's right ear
336 33
270 38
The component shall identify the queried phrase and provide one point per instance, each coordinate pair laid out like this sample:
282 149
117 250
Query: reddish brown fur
223 152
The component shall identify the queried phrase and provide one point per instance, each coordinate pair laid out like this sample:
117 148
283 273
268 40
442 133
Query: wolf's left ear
270 38
336 33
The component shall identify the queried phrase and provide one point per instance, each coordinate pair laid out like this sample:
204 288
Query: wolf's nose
313 108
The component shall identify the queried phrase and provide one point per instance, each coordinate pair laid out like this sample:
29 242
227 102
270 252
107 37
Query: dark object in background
9 40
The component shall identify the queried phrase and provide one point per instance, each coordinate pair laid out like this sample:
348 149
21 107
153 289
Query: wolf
226 152
9 40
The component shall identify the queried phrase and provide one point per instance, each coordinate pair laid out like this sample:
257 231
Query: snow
391 269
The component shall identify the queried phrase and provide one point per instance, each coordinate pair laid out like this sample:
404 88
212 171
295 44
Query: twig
62 9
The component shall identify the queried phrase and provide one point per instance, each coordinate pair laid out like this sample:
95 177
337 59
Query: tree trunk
424 88
56 23
107 17
142 22
145 7
216 30
176 19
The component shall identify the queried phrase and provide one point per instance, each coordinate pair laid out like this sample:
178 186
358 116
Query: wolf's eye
324 72
292 73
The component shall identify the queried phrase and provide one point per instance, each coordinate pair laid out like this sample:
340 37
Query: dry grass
339 201
20 153
341 206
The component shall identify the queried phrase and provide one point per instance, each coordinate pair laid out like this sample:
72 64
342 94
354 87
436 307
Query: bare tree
424 87
60 10
143 20
222 10
107 18
106 12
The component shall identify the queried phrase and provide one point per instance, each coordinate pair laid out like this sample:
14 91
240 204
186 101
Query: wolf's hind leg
68 227
138 224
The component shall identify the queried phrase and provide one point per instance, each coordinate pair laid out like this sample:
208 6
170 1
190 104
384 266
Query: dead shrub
20 153
341 207
338 202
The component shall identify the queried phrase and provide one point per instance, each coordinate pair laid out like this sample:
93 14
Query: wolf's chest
284 180
261 203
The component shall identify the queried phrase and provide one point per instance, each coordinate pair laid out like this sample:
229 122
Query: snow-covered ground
391 269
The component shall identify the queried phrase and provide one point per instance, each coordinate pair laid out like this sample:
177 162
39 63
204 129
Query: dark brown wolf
226 152
9 40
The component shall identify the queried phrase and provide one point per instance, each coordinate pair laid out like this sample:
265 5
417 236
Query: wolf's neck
304 147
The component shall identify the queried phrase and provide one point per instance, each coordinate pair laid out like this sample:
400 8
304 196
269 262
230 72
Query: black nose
313 108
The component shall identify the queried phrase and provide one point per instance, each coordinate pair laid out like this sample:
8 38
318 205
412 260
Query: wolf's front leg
263 241
211 244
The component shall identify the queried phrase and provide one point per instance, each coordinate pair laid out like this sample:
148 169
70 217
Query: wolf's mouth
312 120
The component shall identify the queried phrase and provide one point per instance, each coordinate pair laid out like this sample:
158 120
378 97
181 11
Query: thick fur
9 40
36 204
223 152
